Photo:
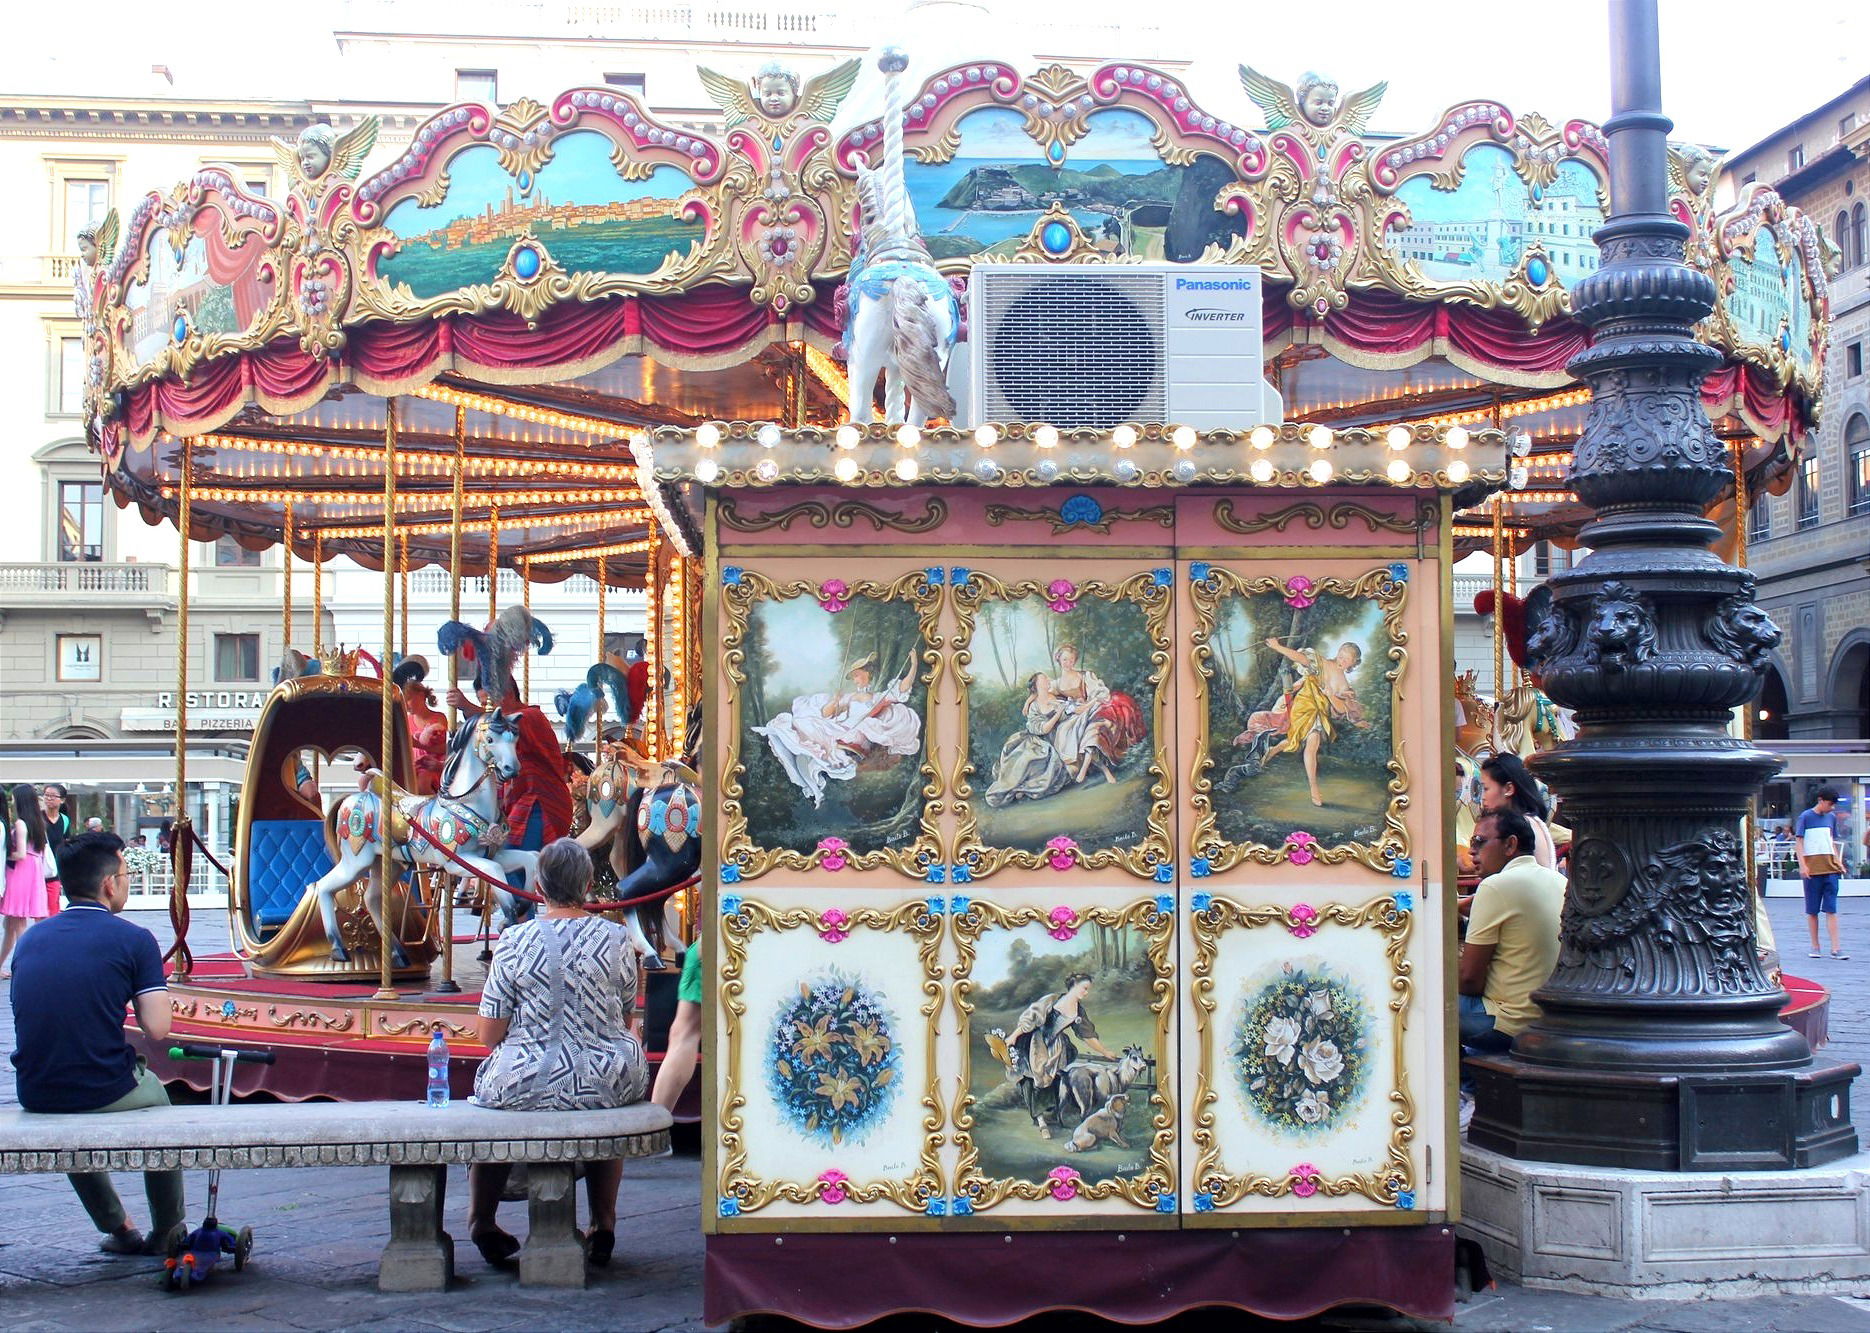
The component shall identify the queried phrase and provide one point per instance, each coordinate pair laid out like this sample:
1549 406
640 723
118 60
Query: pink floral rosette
834 1183
833 850
1064 923
1304 921
1301 592
1061 595
1059 852
834 595
1301 847
833 925
1304 1178
1064 1183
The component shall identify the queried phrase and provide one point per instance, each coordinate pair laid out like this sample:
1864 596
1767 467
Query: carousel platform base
989 1278
1670 1235
336 1041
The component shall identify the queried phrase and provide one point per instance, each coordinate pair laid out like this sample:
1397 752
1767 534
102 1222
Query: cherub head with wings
321 151
1314 106
774 93
97 240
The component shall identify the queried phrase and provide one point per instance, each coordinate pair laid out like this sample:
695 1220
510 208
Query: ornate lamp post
1660 1046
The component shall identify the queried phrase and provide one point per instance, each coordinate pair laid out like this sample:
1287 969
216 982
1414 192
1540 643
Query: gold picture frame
741 858
1214 1187
1213 853
1151 855
1147 1189
739 1194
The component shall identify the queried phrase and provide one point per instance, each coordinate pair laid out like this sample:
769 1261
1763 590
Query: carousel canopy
536 284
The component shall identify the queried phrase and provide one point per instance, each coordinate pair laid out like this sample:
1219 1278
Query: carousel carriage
284 841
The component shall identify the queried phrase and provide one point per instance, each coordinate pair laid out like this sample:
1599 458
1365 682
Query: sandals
498 1248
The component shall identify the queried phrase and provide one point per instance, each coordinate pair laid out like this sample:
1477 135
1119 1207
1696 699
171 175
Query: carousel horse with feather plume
903 317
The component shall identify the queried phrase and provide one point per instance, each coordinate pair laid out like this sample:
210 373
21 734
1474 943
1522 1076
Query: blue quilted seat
283 856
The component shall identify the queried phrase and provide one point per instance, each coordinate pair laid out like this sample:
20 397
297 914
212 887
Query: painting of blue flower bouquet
833 1062
1301 1050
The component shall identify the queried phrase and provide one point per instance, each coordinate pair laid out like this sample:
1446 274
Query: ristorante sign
208 710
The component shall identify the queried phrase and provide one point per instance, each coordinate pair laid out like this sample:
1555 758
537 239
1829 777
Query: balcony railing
74 577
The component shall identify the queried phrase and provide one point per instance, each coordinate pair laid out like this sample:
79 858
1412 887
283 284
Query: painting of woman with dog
1062 1050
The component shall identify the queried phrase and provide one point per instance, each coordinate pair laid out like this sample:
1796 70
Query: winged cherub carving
1692 170
321 152
97 242
775 95
1315 107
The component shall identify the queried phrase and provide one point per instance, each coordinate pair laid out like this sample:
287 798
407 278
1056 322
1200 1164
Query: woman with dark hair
1043 1044
556 1016
1506 784
24 900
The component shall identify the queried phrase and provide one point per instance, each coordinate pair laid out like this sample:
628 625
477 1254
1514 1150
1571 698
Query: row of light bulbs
504 407
1262 470
710 434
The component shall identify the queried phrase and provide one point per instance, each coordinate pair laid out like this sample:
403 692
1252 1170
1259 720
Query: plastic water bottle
438 1069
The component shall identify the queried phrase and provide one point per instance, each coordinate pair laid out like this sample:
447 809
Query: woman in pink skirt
24 901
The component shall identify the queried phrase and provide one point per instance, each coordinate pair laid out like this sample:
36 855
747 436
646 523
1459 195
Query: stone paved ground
318 1234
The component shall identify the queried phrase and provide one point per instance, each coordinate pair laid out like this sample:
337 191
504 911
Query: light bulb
1125 470
1456 438
1123 436
845 468
707 471
1183 437
767 470
1263 437
1399 471
908 436
768 436
986 436
848 436
1319 437
907 469
1399 437
1046 437
1262 470
1457 472
1320 470
707 435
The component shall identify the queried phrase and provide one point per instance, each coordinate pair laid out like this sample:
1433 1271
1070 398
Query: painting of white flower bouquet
1301 1049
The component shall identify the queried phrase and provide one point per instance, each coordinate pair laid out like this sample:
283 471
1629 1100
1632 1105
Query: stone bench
416 1143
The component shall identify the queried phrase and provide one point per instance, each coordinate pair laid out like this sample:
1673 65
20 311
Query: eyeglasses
1475 843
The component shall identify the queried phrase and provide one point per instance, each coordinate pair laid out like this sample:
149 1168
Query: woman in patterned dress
556 1014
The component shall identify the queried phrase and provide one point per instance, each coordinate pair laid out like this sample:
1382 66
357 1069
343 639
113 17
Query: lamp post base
1657 1121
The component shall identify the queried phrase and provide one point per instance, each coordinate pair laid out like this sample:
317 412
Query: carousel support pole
1750 827
318 595
675 589
1659 1046
525 656
603 651
493 563
652 654
402 594
385 869
179 849
1499 610
447 985
285 580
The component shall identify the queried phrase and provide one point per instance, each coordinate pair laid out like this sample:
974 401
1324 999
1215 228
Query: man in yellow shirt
1512 933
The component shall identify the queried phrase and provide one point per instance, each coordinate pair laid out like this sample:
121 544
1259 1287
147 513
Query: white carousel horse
903 319
460 818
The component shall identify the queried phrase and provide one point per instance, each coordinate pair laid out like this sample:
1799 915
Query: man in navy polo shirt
74 974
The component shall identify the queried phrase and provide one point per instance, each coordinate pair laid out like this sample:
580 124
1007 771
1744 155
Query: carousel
1046 489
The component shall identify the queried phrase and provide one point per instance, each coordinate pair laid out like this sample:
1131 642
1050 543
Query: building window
230 554
477 85
1860 234
1749 179
237 657
1760 517
80 657
81 520
1846 123
1857 463
1808 492
1796 158
86 202
70 400
630 83
1853 360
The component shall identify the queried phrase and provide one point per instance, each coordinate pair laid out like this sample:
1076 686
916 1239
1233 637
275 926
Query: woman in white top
1505 784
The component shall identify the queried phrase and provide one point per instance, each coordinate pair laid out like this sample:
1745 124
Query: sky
1732 72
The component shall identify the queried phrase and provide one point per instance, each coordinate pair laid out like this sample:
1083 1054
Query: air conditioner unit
1102 344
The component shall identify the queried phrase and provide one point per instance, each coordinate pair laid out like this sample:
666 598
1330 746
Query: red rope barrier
213 860
532 897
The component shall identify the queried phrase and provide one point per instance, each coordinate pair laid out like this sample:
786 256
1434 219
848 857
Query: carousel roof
536 284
